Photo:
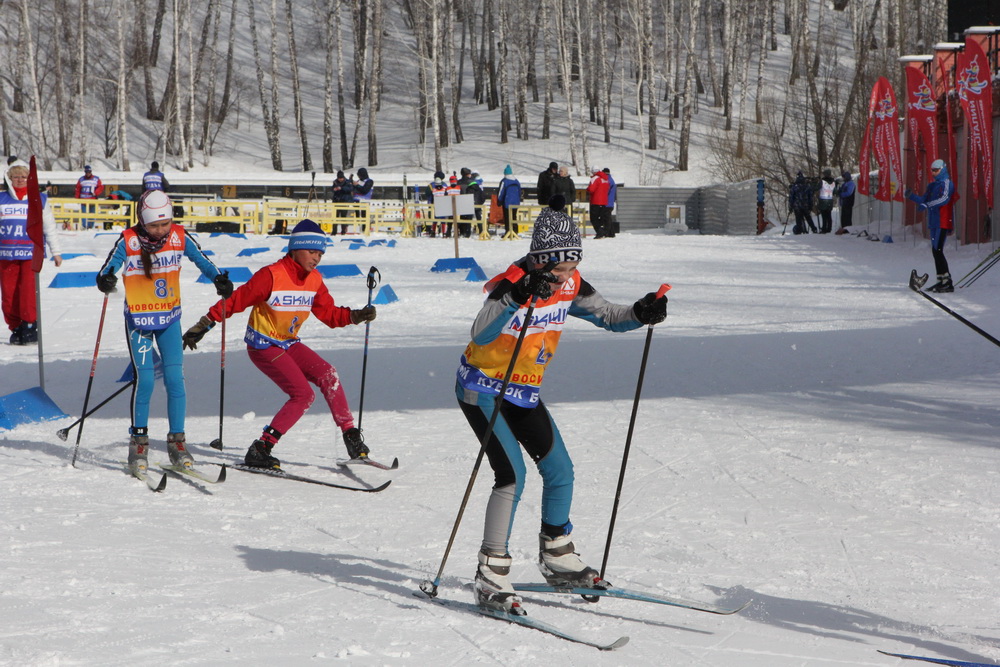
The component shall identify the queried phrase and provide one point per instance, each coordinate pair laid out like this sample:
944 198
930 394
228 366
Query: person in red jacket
600 214
88 186
283 296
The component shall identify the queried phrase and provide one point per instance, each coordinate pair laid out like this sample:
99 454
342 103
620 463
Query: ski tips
917 282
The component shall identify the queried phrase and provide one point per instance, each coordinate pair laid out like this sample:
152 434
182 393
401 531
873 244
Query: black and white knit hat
556 239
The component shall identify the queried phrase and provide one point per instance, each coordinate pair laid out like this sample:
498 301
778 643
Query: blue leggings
516 427
140 347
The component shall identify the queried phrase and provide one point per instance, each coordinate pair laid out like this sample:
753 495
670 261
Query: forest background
681 91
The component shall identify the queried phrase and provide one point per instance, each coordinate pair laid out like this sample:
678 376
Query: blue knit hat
508 171
307 235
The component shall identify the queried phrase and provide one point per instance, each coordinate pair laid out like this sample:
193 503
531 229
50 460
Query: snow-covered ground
812 436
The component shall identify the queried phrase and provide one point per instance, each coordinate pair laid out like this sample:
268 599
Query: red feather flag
35 232
921 118
881 142
975 90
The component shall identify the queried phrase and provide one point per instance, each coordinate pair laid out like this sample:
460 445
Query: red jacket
598 189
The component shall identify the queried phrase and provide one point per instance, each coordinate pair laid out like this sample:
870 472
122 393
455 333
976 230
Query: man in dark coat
546 184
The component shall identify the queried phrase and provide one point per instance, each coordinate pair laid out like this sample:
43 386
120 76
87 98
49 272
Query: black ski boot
943 284
259 456
355 443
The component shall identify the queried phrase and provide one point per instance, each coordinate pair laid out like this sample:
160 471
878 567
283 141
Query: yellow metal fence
260 217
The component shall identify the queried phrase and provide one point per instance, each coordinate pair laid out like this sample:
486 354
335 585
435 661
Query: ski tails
638 596
365 461
940 661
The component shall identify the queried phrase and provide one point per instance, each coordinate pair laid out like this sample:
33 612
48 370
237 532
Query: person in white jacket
17 285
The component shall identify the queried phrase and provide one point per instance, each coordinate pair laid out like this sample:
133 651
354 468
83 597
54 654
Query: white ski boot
493 588
138 448
177 450
561 565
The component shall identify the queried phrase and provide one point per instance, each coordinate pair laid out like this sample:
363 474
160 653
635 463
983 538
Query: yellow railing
390 216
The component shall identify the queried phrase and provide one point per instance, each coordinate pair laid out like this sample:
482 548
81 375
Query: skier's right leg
277 364
140 348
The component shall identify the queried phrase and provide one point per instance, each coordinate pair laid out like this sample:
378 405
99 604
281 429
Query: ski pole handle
372 280
664 288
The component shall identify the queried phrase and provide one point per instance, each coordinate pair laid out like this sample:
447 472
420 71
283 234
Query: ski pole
63 433
628 438
90 382
217 443
430 587
916 288
990 260
372 284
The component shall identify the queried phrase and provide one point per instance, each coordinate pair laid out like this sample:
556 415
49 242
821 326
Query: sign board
464 205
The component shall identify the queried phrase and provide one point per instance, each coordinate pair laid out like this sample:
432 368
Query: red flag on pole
921 115
882 139
35 232
976 94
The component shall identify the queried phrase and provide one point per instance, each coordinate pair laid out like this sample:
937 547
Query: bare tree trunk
564 48
80 108
375 82
327 14
502 17
220 117
694 11
341 111
154 49
38 142
275 79
208 110
455 77
293 57
268 118
123 78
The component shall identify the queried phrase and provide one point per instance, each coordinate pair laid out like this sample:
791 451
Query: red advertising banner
975 91
921 113
881 141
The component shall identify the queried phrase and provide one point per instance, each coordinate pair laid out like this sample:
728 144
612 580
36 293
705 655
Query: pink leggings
292 370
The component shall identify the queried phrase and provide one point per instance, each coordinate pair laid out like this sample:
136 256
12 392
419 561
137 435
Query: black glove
650 310
106 282
362 315
223 285
533 283
194 335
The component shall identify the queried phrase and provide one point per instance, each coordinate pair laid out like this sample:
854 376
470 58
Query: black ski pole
990 260
628 438
430 587
372 284
90 382
217 443
914 286
63 433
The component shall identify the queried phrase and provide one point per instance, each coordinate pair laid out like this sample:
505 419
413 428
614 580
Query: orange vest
153 303
483 366
277 320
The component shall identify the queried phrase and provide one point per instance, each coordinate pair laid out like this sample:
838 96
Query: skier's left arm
589 305
332 315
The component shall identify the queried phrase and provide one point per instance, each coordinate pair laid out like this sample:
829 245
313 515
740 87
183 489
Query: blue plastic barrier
247 252
475 275
385 295
238 274
208 253
339 270
453 264
25 407
75 279
235 235
375 242
391 244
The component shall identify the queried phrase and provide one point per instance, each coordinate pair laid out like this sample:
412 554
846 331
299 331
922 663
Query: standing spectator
17 281
154 179
564 185
549 279
509 197
800 202
826 188
599 211
453 189
283 295
436 189
612 198
342 193
846 194
151 254
88 186
465 187
937 201
475 188
546 184
364 188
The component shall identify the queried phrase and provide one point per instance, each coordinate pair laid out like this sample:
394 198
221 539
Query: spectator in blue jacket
612 197
846 194
509 197
154 179
937 201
